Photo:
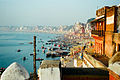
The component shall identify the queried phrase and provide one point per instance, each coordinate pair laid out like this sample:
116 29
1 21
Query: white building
49 70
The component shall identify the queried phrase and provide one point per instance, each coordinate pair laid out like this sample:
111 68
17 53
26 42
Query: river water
10 42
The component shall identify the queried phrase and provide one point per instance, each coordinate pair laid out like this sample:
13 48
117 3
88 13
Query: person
84 47
82 55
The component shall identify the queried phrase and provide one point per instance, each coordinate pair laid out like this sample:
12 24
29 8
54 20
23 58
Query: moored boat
24 58
18 50
31 54
39 59
2 70
30 42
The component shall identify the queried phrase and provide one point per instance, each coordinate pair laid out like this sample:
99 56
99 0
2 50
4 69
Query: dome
15 72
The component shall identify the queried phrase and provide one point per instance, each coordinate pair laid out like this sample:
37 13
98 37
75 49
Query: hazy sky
49 12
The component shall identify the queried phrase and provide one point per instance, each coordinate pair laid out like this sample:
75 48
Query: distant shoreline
36 32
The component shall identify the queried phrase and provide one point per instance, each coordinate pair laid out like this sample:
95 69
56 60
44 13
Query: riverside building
106 31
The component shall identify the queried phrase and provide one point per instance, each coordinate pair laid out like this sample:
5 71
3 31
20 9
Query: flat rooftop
50 63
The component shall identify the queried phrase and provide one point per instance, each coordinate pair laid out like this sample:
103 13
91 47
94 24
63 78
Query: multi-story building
106 30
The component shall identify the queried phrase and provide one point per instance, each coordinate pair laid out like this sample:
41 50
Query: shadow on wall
84 74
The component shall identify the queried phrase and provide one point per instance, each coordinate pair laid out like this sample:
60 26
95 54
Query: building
106 30
49 70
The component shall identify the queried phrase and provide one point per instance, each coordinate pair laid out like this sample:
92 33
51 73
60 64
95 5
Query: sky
49 12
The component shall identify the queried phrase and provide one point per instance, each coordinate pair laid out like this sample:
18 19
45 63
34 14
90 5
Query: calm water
10 43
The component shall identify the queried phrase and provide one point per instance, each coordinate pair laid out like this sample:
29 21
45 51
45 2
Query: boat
54 48
2 70
43 50
21 43
39 59
42 47
48 54
24 58
55 44
30 42
31 54
18 50
48 43
55 55
38 50
58 45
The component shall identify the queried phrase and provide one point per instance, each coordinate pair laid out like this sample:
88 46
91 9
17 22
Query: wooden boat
43 50
48 54
48 43
2 70
42 47
31 54
18 50
55 44
24 58
21 43
38 50
30 42
54 48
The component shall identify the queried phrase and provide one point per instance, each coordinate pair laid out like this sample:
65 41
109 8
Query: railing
98 32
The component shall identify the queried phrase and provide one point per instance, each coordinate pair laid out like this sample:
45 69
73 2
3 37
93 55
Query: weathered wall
109 44
118 19
110 19
49 74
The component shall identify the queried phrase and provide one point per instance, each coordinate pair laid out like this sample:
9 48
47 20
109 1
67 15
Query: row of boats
55 49
58 49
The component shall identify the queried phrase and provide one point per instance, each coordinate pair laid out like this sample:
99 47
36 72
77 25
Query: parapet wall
92 62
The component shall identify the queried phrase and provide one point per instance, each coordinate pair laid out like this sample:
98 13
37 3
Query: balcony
98 32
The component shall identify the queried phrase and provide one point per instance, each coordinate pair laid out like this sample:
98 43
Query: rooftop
50 63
